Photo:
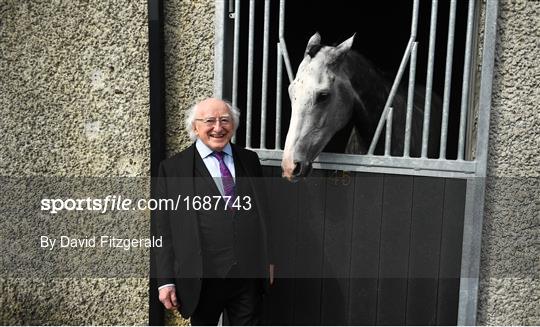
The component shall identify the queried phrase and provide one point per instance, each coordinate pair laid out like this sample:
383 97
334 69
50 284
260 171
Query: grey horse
334 86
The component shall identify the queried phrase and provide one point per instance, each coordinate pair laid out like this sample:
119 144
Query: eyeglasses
211 121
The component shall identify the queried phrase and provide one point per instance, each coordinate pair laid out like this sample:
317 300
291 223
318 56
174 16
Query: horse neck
371 89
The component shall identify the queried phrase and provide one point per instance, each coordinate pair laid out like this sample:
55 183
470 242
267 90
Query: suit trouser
239 298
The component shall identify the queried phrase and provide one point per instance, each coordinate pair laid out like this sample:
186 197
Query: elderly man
214 256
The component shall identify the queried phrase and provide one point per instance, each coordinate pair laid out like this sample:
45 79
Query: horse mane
373 86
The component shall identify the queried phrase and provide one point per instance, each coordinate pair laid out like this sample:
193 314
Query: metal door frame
474 171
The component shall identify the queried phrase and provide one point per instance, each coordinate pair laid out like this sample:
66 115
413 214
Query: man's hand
271 274
167 296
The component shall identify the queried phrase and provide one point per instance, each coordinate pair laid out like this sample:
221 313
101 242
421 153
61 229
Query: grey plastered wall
189 63
74 102
509 284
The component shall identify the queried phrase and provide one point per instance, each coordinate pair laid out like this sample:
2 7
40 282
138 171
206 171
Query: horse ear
342 49
345 46
314 44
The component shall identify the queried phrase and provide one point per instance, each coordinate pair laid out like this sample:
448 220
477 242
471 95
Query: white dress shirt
212 163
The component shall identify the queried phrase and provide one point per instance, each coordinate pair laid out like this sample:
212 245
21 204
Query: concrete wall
510 287
74 102
74 83
189 62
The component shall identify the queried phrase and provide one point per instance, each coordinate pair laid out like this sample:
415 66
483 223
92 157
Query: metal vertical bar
429 77
412 73
388 137
219 49
264 94
470 133
282 53
470 253
249 100
282 40
466 78
414 21
474 205
397 80
279 74
235 56
410 101
448 79
390 98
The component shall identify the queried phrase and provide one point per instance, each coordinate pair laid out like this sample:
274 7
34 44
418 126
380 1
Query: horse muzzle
300 169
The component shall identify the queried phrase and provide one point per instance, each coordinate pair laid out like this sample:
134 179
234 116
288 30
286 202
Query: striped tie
226 177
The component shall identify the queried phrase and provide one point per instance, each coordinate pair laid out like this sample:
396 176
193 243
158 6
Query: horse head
322 99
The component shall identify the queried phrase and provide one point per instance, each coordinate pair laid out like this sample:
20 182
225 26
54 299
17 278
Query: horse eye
322 96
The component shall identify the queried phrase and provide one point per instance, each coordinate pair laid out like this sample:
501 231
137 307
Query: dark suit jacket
179 261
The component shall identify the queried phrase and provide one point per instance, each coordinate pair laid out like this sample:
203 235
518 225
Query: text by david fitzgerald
100 241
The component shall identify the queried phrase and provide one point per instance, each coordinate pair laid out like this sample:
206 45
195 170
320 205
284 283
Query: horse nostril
297 169
301 169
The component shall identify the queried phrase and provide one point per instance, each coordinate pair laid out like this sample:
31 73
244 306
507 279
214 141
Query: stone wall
189 63
509 287
74 102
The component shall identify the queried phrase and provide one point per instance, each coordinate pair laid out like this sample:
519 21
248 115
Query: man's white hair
192 112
